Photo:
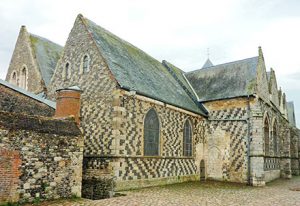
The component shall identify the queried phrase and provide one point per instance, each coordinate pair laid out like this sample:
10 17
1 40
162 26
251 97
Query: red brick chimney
68 103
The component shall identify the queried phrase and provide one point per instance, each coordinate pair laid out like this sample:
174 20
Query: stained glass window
187 139
151 134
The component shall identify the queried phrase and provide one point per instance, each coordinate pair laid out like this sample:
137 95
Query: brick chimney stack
68 103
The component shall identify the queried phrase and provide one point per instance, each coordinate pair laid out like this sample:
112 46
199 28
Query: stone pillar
294 152
285 163
118 109
68 103
257 176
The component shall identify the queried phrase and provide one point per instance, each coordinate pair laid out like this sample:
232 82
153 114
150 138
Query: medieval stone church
147 122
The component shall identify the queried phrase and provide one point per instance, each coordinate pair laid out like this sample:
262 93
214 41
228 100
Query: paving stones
206 194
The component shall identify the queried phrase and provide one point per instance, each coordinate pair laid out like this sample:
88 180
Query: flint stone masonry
128 165
12 101
38 56
23 57
43 161
119 86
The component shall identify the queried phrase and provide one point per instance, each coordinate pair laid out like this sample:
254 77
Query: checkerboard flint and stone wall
112 122
97 85
227 140
129 166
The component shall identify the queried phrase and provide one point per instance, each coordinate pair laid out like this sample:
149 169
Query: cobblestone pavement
279 192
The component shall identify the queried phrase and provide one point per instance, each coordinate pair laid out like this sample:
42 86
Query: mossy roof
224 81
178 74
47 54
135 70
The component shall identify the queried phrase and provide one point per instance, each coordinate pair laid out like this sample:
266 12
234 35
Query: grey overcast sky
178 31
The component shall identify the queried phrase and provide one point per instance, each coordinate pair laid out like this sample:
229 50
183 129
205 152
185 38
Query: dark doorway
202 170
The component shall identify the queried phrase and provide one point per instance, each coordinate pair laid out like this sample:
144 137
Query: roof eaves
170 103
225 98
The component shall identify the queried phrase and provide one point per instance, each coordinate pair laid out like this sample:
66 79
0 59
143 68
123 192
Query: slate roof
178 74
29 94
207 64
224 81
135 70
291 113
47 54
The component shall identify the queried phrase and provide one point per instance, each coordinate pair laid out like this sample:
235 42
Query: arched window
275 138
187 139
23 79
86 64
14 78
267 136
151 134
67 70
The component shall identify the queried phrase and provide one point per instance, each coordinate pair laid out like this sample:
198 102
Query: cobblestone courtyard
279 192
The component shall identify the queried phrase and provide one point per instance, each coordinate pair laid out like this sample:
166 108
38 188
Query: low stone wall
40 158
98 188
13 101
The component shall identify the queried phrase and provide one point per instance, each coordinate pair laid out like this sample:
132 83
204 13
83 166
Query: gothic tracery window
187 139
151 134
267 136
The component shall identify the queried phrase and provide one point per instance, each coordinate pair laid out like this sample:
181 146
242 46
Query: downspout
248 140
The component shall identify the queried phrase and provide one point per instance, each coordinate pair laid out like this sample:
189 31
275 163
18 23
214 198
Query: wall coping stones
29 94
17 121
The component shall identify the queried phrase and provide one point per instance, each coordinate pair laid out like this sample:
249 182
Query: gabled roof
135 70
29 94
179 76
47 54
207 64
224 81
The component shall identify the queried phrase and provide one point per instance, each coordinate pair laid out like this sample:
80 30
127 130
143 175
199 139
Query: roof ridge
207 68
45 39
120 39
134 69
